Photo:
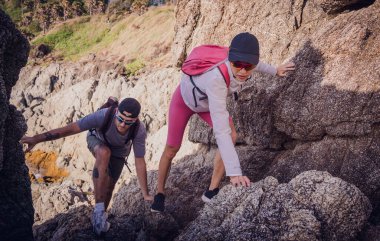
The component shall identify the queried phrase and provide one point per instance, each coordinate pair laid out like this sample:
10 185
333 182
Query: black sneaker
209 194
158 203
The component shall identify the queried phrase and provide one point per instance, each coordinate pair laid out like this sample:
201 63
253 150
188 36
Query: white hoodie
213 85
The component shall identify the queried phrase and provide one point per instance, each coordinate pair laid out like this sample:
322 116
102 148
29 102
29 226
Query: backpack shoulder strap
224 71
133 131
107 121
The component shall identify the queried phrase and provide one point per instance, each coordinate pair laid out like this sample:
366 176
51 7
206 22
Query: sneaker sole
156 211
105 230
96 233
205 199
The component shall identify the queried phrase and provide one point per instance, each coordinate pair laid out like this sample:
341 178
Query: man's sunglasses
126 122
243 65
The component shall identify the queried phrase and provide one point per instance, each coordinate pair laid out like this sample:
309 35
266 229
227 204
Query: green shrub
133 67
34 27
55 38
75 39
13 9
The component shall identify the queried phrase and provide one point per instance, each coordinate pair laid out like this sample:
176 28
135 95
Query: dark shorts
115 165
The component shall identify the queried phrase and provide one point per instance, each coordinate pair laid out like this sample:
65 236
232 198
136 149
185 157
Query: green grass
133 67
56 38
129 37
74 39
13 12
113 33
34 28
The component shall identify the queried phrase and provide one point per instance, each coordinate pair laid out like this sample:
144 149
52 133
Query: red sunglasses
243 65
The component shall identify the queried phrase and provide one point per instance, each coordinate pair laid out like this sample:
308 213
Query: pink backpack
204 58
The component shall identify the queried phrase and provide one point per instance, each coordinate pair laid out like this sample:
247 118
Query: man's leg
110 188
115 168
101 179
100 174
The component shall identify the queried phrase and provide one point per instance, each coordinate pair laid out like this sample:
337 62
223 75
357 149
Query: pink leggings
179 115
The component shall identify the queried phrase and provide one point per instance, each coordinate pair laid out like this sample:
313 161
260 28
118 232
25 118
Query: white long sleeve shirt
213 85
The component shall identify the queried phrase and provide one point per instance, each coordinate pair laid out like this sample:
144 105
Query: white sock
99 207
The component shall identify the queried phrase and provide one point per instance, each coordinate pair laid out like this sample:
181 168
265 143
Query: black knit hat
245 48
131 106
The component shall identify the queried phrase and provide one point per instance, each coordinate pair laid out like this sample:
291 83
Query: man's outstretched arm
70 129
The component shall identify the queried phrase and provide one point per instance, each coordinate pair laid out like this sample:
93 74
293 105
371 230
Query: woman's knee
170 151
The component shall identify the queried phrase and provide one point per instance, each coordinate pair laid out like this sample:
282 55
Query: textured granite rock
16 210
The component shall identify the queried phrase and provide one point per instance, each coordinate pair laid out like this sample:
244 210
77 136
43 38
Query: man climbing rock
113 130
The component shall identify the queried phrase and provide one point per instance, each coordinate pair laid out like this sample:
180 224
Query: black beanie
131 106
244 47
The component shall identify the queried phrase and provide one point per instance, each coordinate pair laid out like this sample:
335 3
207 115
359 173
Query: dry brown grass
43 167
147 37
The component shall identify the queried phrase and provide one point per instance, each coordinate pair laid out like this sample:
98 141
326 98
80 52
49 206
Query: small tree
44 17
78 8
66 5
57 12
89 5
140 6
27 6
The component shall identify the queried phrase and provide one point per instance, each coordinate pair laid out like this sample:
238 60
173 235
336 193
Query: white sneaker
99 222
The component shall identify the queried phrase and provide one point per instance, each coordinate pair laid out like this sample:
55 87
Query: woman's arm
280 70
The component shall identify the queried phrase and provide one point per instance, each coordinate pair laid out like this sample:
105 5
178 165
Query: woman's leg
218 171
164 166
179 115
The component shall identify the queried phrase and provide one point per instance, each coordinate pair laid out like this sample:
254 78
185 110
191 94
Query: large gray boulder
312 206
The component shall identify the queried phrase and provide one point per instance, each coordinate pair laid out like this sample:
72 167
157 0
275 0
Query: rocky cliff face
322 117
16 210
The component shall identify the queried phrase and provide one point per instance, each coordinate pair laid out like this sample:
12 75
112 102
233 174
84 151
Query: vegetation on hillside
130 37
75 37
133 67
34 16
